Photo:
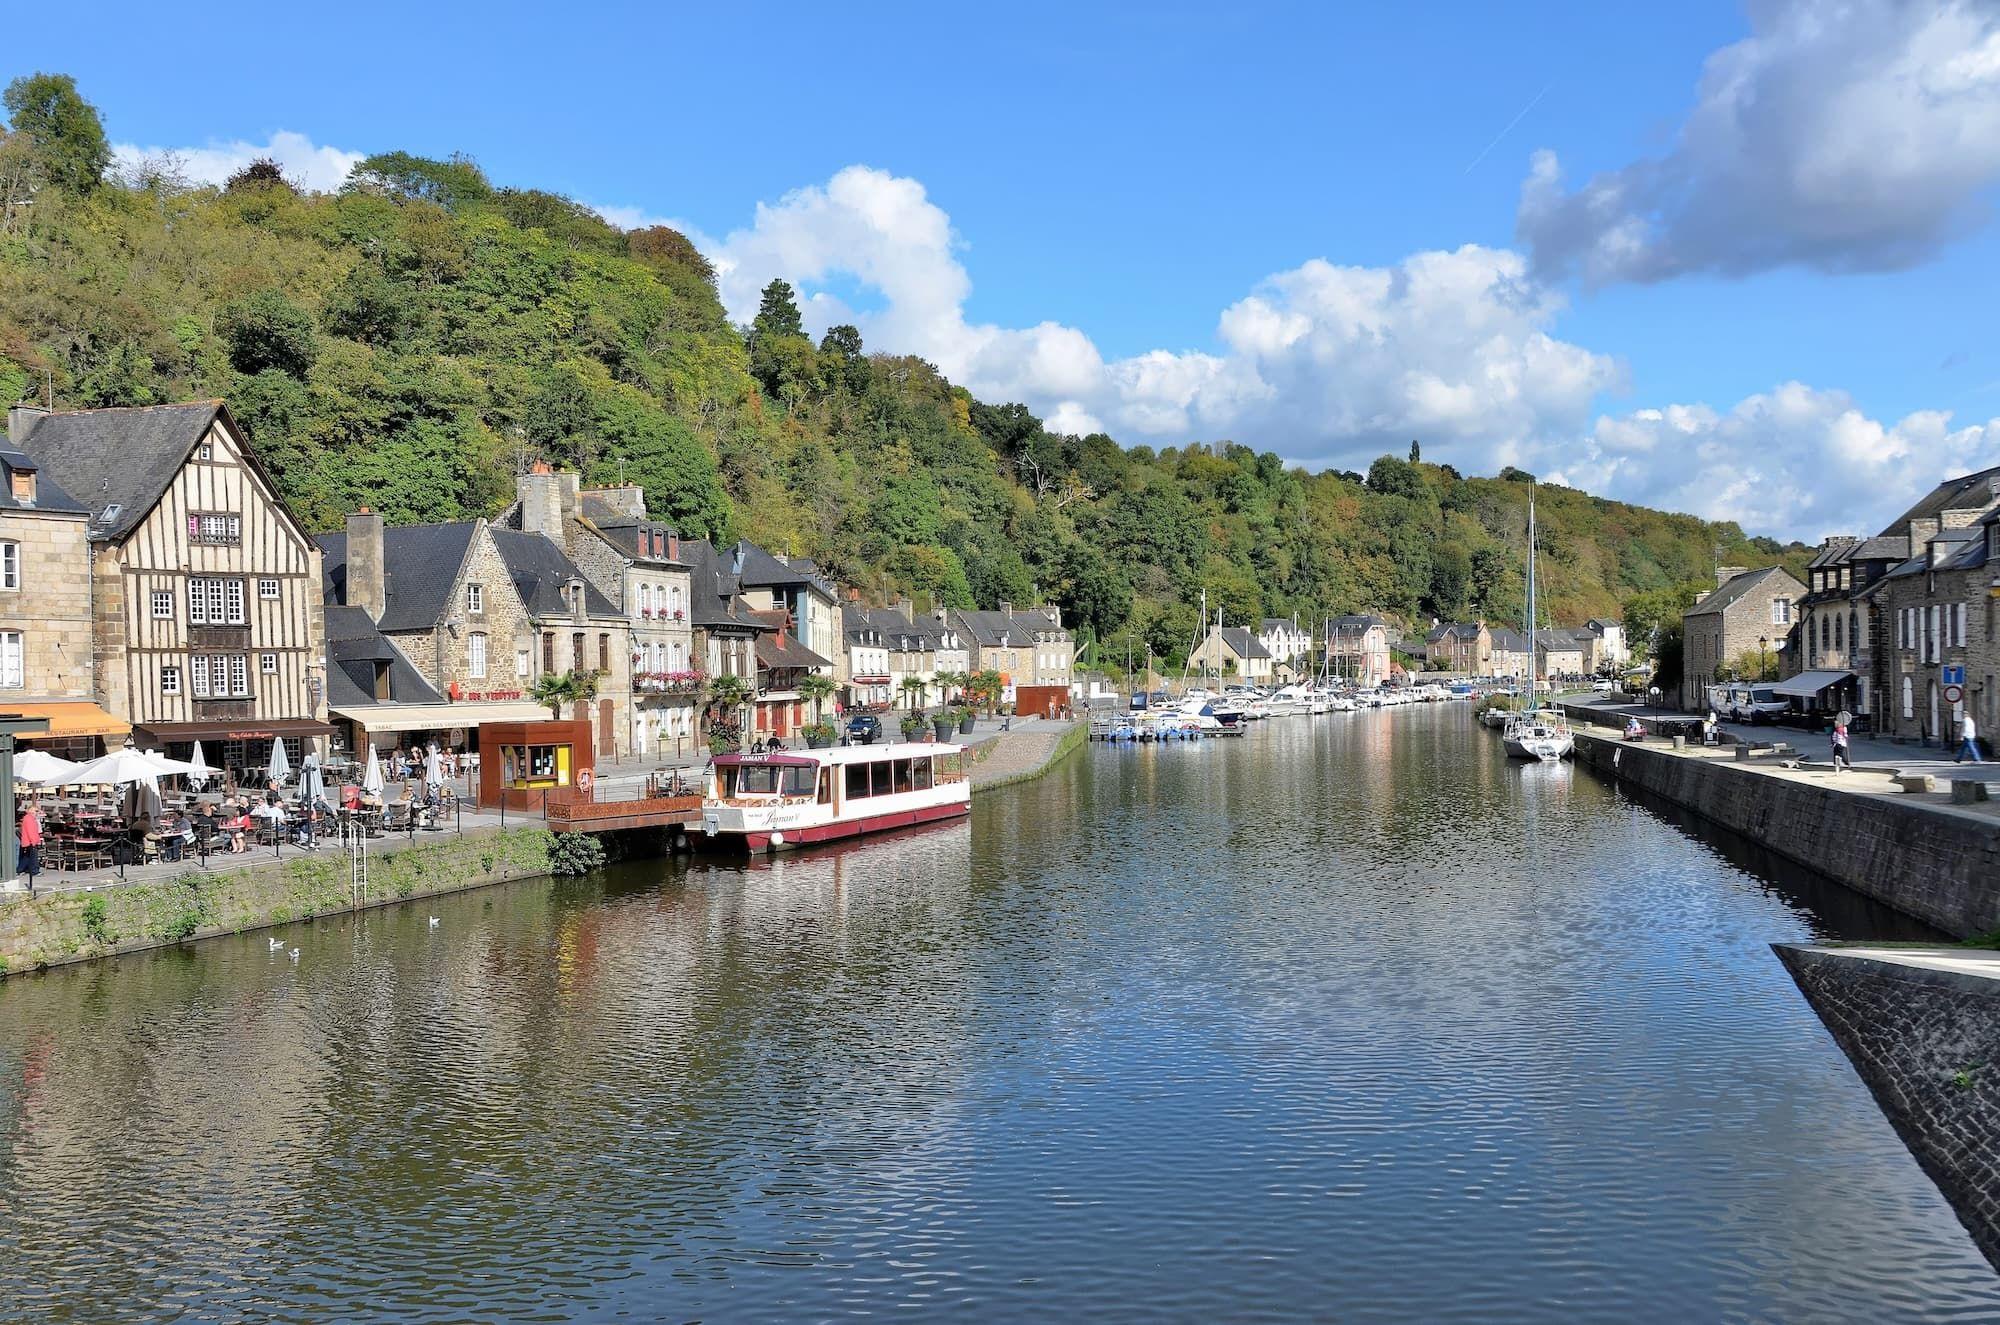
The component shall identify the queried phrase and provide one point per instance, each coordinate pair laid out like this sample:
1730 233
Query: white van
1746 701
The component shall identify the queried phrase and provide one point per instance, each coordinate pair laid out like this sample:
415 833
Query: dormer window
22 483
475 598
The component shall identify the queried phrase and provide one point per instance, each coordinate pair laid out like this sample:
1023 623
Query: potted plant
943 723
965 717
819 735
913 726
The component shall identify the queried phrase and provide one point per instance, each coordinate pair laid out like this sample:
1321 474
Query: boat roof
841 754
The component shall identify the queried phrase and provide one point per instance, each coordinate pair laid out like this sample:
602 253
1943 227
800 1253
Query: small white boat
1538 734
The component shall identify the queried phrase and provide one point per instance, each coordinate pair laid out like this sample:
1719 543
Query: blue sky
1177 224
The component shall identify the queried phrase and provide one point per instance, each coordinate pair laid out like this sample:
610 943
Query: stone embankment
1913 851
1922 1027
52 928
1012 757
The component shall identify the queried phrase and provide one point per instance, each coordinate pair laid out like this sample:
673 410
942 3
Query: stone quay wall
1926 861
54 928
1927 1042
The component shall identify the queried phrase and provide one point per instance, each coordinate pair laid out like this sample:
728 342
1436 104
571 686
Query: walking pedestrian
1968 739
31 842
1840 747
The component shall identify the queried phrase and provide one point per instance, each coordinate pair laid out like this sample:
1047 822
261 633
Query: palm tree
950 681
819 688
584 684
551 691
728 692
914 690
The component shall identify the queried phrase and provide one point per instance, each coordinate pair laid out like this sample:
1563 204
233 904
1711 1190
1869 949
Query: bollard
1680 742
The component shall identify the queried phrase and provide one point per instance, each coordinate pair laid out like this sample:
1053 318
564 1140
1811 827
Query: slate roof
1507 641
419 567
118 457
1835 551
1460 629
1974 490
354 644
713 590
541 571
1242 643
1738 586
1356 624
49 494
987 629
1597 625
1883 547
761 570
890 630
780 648
1273 623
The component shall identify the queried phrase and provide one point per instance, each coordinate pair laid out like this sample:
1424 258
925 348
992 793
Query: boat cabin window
826 786
857 781
920 773
767 780
902 775
881 779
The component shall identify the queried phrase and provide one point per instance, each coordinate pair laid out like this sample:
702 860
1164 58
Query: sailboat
1537 732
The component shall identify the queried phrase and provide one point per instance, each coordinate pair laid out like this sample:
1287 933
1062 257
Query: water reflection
1347 1017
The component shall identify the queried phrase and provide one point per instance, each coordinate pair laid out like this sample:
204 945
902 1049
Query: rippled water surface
1344 1019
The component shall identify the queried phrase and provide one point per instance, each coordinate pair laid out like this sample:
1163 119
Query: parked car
864 729
1604 685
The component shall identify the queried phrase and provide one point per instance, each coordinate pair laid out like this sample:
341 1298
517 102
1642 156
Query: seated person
236 827
1634 730
178 838
350 797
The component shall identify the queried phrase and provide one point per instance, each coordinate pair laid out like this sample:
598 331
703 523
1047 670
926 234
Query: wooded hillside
413 340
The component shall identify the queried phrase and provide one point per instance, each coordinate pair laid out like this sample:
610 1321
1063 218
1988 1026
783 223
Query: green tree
914 689
777 314
551 690
63 129
268 330
818 688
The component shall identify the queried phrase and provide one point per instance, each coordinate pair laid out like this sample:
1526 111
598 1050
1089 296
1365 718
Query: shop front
522 762
241 749
77 729
451 727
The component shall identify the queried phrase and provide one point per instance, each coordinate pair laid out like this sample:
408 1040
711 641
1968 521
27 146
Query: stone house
1026 647
1290 646
890 645
1746 611
770 583
1612 651
1509 658
1558 656
1462 647
1232 651
1940 640
478 612
634 561
867 682
206 622
1357 648
725 632
46 656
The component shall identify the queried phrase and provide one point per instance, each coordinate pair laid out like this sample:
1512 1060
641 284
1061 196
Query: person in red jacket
31 841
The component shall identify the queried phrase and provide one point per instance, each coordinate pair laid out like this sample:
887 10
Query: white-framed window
475 655
522 662
267 663
10 566
13 660
198 673
645 600
1958 623
475 598
163 604
215 529
1909 698
1781 611
267 589
205 451
170 679
239 674
215 602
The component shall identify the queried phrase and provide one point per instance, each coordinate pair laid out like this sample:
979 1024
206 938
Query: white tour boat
794 797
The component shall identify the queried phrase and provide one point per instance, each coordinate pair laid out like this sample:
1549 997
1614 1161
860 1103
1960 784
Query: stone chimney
673 545
366 583
1724 574
577 610
21 420
570 490
1008 608
907 608
541 495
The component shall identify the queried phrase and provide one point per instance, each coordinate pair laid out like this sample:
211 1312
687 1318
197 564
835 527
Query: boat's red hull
881 823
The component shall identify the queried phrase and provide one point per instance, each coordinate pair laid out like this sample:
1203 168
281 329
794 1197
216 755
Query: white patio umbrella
142 800
162 764
41 768
121 766
433 769
280 768
371 777
199 772
312 783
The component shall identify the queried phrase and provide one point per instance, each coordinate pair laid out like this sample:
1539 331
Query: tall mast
1534 690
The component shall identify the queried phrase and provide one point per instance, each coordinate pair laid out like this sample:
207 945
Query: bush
575 853
914 725
97 922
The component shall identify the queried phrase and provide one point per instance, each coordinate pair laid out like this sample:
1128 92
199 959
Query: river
1347 1018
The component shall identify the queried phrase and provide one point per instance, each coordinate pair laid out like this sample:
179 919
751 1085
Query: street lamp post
1763 646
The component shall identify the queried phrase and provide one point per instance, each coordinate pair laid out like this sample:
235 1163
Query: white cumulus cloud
307 164
1856 135
1322 363
1796 461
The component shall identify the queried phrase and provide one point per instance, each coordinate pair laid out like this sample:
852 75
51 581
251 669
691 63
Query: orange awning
68 717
